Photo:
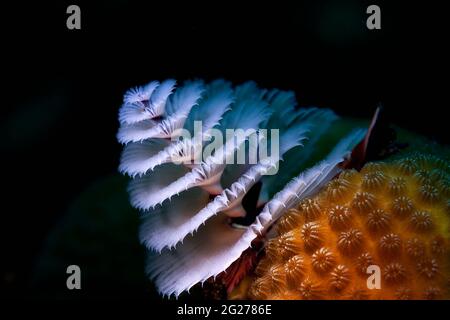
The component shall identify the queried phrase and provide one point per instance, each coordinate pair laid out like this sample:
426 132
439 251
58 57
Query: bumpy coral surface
393 215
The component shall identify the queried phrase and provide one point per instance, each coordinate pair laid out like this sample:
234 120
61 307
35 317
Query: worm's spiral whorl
186 194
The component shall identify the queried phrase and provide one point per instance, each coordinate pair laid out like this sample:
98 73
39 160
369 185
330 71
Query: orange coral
393 215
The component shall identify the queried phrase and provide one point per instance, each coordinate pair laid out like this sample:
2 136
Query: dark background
62 88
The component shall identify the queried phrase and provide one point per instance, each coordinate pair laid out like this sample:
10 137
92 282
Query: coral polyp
429 193
338 189
362 202
277 277
373 181
288 244
322 260
288 221
390 245
350 242
261 288
394 273
393 215
363 262
310 289
311 209
294 268
340 277
339 217
408 165
378 220
397 186
311 235
428 268
415 248
421 221
402 206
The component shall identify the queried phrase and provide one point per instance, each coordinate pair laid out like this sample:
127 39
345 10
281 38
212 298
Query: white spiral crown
186 207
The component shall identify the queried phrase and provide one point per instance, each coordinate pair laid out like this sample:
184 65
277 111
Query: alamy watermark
74 280
374 20
74 19
374 280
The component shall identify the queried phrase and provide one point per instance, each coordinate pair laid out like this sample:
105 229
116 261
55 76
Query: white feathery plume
228 201
139 94
159 98
215 103
145 191
191 232
217 245
248 112
140 157
142 190
177 108
146 102
168 227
